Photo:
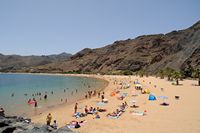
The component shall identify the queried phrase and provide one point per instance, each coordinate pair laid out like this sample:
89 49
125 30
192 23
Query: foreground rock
23 125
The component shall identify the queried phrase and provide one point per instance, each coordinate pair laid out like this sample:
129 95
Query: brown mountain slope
177 49
10 63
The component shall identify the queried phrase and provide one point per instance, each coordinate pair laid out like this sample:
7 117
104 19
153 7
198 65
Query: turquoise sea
17 89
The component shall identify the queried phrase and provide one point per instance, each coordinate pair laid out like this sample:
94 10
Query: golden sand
181 116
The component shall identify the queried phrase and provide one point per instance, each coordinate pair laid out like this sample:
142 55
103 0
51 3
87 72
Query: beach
181 116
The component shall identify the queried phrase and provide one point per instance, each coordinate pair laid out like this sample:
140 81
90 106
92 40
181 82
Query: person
36 104
77 125
49 117
55 125
45 96
126 104
102 97
75 107
66 100
97 115
99 93
29 100
2 112
86 96
86 110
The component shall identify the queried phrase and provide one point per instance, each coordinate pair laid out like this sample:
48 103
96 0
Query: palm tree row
172 74
196 74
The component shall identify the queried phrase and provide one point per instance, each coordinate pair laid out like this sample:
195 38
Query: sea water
17 89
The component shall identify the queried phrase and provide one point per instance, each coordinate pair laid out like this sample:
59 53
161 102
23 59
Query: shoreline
58 105
183 112
158 118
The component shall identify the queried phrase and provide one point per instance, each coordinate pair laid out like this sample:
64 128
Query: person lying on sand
101 110
76 124
134 106
116 113
92 110
78 114
123 106
164 104
121 98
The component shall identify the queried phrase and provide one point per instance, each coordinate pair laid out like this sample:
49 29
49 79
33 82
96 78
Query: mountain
10 63
177 49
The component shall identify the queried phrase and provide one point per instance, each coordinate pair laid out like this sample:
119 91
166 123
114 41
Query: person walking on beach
66 100
102 97
99 94
49 118
45 96
36 104
75 107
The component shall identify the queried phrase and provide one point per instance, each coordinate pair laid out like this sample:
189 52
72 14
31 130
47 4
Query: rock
64 130
13 124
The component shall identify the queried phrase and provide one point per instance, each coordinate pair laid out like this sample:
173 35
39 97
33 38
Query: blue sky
42 27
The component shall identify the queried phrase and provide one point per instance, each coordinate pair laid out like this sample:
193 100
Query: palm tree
161 74
141 73
169 73
177 75
196 74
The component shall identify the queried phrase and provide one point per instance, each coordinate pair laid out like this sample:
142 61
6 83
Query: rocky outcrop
23 125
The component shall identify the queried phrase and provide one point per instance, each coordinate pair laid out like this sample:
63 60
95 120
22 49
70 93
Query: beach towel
138 113
112 117
101 104
123 94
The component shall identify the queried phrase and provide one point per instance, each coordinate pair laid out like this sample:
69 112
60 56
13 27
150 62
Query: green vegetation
73 72
177 76
161 74
169 73
127 72
196 74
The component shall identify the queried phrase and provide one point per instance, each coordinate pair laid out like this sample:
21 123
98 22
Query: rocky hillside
21 63
177 49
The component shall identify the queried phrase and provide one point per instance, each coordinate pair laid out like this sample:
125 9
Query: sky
43 27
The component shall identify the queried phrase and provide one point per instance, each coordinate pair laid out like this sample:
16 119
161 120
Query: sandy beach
181 116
